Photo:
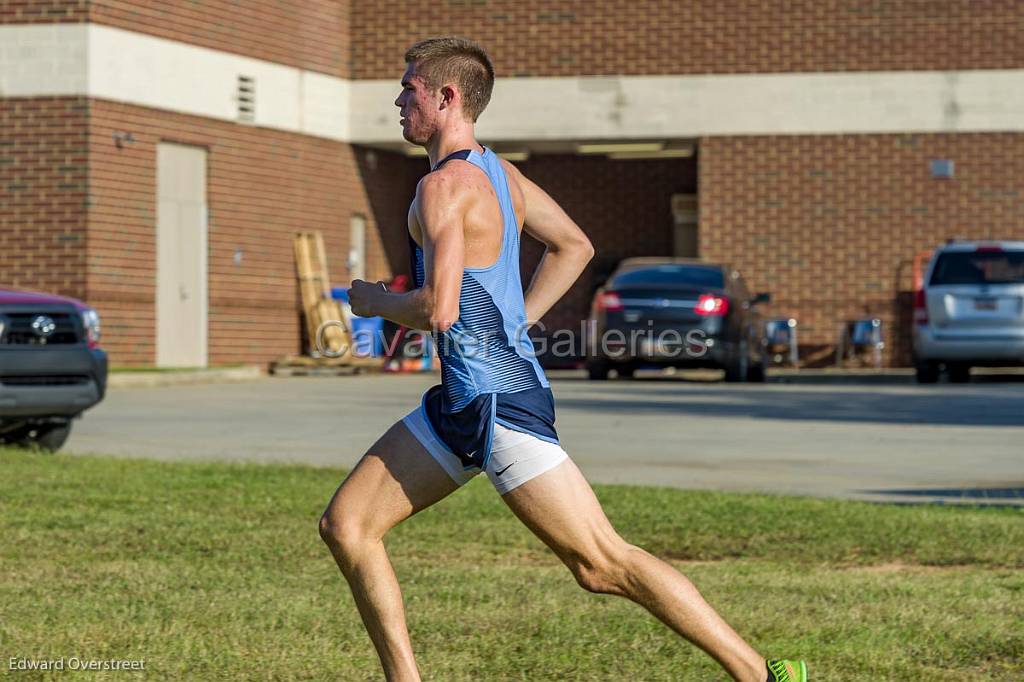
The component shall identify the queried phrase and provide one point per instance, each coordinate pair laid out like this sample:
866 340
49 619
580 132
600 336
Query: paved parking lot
831 439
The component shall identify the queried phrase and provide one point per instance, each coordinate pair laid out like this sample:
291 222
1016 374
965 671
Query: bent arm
567 254
441 210
411 309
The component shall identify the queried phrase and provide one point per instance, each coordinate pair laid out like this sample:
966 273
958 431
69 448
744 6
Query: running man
493 411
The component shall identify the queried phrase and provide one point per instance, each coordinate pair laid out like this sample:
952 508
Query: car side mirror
763 297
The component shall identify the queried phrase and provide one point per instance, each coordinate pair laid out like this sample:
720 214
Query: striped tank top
489 372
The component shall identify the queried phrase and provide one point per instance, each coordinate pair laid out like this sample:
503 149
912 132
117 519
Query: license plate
985 304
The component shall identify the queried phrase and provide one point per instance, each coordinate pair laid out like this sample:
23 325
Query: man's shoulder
510 169
515 178
454 178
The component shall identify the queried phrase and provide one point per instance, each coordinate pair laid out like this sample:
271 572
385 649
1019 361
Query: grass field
216 571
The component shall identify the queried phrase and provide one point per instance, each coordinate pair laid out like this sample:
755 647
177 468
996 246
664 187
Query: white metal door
181 246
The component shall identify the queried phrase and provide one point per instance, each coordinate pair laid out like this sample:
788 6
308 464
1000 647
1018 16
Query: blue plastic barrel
367 336
366 331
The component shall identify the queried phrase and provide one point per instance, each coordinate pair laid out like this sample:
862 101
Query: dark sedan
673 312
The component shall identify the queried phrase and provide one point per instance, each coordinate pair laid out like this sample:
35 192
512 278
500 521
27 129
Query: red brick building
156 157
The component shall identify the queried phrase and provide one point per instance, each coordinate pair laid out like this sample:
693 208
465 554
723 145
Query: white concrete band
123 66
108 63
630 107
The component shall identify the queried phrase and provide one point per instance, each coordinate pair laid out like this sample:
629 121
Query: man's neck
445 143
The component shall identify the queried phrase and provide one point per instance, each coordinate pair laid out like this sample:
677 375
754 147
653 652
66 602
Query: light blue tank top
489 372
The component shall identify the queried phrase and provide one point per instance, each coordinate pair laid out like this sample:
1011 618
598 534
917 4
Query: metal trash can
859 339
781 343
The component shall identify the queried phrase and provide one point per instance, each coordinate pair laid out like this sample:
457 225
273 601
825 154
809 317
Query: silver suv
970 310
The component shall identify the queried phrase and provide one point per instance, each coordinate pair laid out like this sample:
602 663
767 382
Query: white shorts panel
516 457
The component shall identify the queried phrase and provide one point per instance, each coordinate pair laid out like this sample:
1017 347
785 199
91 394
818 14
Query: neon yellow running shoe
787 671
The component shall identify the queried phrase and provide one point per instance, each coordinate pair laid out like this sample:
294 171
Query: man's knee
340 530
603 571
329 530
592 577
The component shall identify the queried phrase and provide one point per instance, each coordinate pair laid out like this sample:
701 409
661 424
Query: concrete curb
200 376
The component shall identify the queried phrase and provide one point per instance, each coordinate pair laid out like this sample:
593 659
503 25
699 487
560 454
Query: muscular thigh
395 479
561 509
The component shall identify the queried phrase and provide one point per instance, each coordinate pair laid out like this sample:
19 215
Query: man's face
419 108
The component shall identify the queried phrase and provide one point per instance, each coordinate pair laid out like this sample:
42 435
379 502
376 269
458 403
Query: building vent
246 99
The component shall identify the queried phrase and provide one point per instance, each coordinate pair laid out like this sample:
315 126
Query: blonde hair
440 61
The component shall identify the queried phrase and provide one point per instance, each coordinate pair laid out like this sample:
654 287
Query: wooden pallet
321 313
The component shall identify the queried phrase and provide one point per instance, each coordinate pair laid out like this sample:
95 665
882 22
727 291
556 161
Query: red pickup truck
51 366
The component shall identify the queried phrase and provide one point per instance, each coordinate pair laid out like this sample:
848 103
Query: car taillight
608 302
91 322
710 305
989 249
920 308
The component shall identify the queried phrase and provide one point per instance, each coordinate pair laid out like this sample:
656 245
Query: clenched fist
363 297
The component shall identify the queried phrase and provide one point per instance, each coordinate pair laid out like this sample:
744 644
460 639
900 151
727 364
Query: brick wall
305 34
43 11
543 38
390 184
263 185
43 194
830 224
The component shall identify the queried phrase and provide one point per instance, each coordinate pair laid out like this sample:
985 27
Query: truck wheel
17 437
597 371
927 372
959 373
738 366
756 373
49 437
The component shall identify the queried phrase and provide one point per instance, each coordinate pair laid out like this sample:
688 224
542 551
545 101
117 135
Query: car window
979 267
671 274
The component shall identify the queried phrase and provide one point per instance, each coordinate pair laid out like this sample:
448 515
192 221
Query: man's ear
448 96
